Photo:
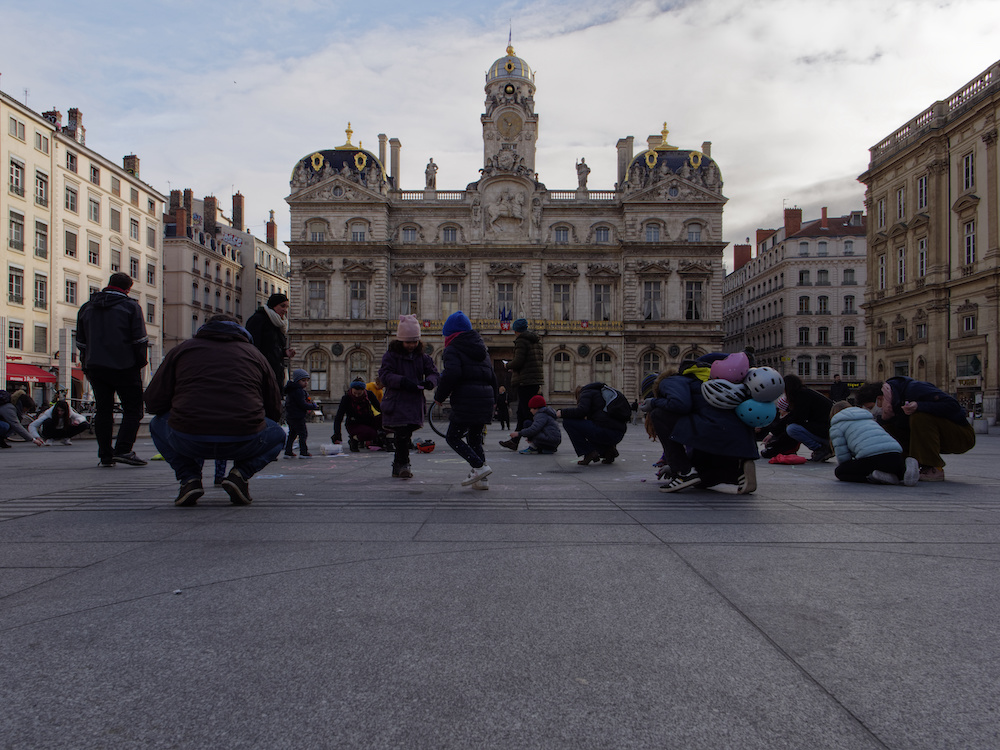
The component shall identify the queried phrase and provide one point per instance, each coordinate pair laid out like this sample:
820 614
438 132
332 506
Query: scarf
278 321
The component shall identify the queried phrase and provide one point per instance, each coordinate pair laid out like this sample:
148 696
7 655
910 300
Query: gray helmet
765 383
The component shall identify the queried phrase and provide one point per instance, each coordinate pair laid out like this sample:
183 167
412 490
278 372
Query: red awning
22 373
77 374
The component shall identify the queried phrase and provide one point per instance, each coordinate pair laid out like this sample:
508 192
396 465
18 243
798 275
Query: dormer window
409 234
602 235
652 233
357 233
449 235
562 235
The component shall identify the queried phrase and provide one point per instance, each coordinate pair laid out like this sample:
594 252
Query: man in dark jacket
593 432
215 397
111 337
839 390
925 420
808 418
528 374
269 328
360 408
469 382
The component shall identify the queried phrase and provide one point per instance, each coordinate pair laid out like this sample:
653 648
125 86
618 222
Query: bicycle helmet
724 395
425 446
733 368
756 413
765 383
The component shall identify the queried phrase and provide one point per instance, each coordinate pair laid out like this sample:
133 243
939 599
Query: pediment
920 220
338 189
694 268
505 269
686 192
450 270
606 270
562 271
319 267
654 268
965 203
409 270
897 229
365 268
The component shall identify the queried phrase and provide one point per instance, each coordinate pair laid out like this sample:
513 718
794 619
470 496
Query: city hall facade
618 282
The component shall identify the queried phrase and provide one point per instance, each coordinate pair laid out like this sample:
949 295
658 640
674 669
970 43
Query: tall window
151 312
804 336
116 260
71 288
805 367
603 369
151 274
922 257
409 234
449 235
602 301
359 366
151 237
15 335
804 305
970 242
115 219
650 364
41 189
42 144
652 305
803 248
821 248
849 367
693 300
562 235
881 213
133 267
652 233
70 199
41 292
823 305
70 244
881 271
15 285
133 229
921 192
822 277
41 339
317 371
804 278
848 247
900 265
849 308
16 241
408 298
602 235
561 301
16 177
822 336
95 174
849 339
822 367
94 252
505 300
562 372
71 161
449 298
359 299
849 276
316 299
969 171
901 203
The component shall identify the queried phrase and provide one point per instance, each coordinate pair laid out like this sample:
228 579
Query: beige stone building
934 255
80 218
619 281
212 264
797 301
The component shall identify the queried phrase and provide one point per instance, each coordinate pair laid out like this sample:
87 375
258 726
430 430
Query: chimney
180 222
763 234
74 127
394 146
131 164
238 212
211 215
175 200
822 222
741 256
54 116
653 141
625 153
272 231
706 148
382 140
793 221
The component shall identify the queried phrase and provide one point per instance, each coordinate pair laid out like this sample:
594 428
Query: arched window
562 369
650 364
603 368
652 233
803 304
318 371
358 364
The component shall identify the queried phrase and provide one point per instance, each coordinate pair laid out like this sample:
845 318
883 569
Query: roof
836 226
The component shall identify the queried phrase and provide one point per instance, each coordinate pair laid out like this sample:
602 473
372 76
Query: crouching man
215 397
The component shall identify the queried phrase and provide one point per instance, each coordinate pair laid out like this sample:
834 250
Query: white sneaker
67 441
476 474
747 482
912 475
481 484
884 477
681 481
47 443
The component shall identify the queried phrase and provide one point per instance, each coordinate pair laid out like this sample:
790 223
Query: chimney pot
238 212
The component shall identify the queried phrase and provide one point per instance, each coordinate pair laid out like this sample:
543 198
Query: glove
408 385
647 405
428 385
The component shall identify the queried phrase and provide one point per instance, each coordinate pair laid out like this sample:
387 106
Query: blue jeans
800 434
185 454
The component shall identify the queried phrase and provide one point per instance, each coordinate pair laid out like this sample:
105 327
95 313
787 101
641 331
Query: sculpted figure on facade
582 170
506 206
430 174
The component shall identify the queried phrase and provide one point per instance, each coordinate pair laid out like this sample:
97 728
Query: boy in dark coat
808 418
542 432
297 407
469 382
593 432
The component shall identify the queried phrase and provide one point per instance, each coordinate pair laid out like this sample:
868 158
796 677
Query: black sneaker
681 481
4 444
237 488
821 455
128 458
106 464
189 494
353 444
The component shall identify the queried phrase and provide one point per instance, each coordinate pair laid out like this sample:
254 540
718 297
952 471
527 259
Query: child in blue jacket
542 432
297 407
865 451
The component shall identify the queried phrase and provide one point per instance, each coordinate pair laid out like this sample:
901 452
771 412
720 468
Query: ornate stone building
933 301
619 282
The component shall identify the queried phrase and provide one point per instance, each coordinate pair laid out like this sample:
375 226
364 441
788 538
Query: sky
227 96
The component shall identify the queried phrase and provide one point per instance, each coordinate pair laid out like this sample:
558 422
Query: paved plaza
566 607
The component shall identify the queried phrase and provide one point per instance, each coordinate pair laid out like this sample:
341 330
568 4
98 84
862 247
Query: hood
548 410
703 373
471 344
106 298
224 330
529 336
851 414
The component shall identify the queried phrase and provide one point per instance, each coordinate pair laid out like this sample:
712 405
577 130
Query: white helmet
765 383
724 395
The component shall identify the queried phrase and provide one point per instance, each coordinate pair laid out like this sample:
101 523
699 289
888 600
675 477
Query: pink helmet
733 368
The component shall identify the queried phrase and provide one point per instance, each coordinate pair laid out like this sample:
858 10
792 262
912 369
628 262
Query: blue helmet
757 413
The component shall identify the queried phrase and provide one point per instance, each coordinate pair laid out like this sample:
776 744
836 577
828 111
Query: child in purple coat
406 372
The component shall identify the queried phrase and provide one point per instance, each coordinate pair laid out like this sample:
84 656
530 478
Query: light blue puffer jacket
855 434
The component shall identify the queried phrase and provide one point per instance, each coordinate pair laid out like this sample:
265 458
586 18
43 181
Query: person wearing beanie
527 374
470 384
360 407
269 328
775 439
297 408
542 431
406 372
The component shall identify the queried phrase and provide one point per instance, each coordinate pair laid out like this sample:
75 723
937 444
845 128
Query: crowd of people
218 396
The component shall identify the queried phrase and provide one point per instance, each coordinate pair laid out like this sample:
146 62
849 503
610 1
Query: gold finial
510 49
351 132
664 146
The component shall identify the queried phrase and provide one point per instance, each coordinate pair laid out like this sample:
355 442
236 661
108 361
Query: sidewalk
566 607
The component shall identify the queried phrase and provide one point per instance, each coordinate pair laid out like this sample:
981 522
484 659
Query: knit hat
276 299
456 323
409 328
520 325
357 384
782 403
299 374
536 402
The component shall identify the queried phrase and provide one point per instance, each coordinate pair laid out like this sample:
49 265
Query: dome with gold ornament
510 67
663 160
348 160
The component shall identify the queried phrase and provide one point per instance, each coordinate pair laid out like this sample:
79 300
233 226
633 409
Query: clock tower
510 125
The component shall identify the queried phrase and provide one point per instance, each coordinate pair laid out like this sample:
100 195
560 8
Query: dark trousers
588 436
524 394
858 469
466 439
49 431
675 453
297 429
402 436
364 433
128 385
714 469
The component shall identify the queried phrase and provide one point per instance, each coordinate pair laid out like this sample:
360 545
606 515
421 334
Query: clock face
509 124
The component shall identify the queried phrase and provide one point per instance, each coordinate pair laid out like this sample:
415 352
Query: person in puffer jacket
865 451
542 432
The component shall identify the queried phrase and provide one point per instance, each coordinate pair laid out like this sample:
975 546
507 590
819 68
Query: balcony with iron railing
17 189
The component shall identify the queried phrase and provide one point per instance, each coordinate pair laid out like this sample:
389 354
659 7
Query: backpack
616 405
